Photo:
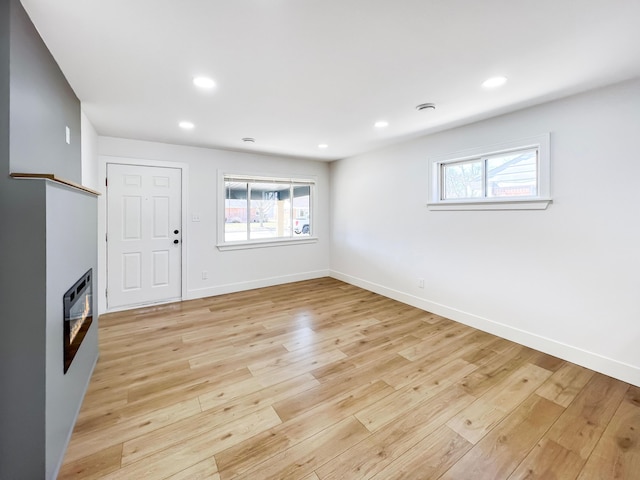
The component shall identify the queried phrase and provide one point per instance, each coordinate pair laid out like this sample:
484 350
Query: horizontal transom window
512 174
515 175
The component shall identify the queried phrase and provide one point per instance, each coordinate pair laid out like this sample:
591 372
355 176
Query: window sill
223 247
522 204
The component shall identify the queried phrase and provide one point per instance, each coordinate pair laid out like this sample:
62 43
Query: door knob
176 232
176 241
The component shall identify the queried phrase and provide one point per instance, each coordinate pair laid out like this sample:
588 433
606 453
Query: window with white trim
266 209
513 175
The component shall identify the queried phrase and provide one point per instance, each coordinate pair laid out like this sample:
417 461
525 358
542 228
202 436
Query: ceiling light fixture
249 140
204 82
323 145
381 124
494 82
426 106
186 125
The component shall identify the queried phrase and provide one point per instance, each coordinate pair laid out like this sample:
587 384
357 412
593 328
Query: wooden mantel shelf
53 178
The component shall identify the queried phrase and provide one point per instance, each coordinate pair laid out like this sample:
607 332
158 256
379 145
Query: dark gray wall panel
22 330
42 105
48 237
4 91
71 251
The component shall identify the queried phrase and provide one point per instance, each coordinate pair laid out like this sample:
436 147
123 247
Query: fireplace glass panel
78 315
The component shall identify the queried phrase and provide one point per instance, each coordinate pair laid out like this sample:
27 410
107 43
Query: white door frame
102 227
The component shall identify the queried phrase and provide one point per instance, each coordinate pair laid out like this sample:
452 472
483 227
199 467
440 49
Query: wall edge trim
599 363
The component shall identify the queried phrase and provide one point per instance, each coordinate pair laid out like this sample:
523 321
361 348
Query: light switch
68 135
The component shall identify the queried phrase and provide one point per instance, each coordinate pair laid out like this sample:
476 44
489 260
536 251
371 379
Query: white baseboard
608 366
250 285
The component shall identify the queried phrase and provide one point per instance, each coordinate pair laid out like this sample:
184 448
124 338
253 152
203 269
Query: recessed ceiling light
381 124
186 125
204 82
494 82
249 140
323 145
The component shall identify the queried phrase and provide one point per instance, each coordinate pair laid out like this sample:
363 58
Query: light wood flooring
322 380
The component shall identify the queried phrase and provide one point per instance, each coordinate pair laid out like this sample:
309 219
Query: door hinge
106 293
106 182
106 237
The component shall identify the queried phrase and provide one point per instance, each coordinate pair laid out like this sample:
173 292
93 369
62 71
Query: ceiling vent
426 106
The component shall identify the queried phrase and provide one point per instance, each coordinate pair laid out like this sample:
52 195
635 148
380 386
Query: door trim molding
105 160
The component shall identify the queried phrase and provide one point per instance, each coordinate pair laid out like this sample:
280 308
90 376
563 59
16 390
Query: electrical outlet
195 217
205 275
421 283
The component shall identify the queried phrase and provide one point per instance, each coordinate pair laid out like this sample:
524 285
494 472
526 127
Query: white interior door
144 235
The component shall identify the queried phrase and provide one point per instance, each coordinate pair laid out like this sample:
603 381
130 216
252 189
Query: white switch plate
67 136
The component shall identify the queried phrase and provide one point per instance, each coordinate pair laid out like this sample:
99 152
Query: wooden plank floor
323 380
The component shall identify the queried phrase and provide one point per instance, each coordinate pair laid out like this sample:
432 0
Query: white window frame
223 245
536 202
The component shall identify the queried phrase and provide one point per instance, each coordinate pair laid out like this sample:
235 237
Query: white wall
89 153
228 271
563 280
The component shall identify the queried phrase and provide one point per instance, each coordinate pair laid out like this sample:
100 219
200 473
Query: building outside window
263 209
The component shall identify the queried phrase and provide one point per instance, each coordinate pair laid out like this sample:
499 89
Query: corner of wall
609 366
89 152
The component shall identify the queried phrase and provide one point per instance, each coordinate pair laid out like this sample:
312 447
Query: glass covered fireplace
78 315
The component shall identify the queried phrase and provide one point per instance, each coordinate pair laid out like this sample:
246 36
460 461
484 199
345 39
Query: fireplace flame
87 307
78 323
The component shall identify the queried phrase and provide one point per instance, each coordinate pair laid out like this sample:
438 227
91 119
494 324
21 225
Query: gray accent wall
4 95
42 104
22 331
47 242
71 224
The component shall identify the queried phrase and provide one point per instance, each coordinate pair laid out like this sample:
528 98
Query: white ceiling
297 73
